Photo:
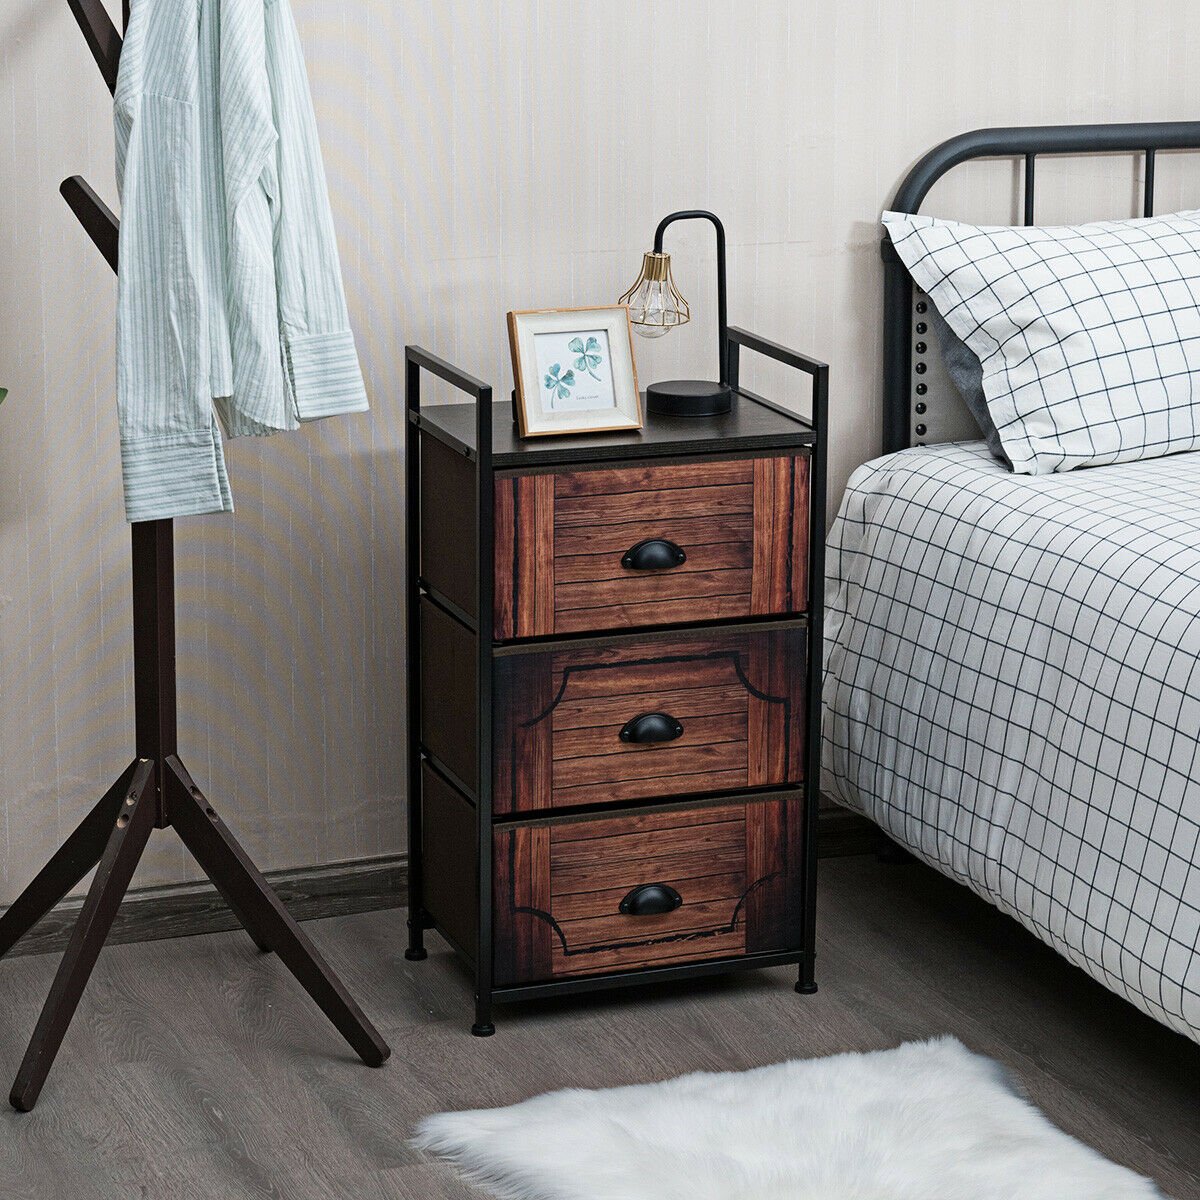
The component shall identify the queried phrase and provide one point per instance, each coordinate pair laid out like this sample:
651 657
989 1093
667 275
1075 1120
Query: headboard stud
936 411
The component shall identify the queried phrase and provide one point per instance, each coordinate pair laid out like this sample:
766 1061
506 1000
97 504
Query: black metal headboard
910 361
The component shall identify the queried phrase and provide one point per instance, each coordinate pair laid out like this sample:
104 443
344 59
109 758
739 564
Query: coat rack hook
97 219
101 36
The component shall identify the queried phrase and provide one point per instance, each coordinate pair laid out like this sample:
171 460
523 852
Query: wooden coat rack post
155 791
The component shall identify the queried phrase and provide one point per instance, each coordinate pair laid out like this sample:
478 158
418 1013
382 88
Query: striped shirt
229 300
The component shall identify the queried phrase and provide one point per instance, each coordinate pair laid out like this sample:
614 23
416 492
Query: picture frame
574 371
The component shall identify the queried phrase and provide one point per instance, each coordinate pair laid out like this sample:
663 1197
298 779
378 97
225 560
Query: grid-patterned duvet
1013 693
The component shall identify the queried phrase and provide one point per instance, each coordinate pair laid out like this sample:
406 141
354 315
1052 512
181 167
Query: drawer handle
654 554
650 900
651 727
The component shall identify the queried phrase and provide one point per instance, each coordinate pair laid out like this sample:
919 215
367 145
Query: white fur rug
926 1121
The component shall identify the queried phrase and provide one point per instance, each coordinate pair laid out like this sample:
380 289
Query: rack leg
73 860
229 867
127 839
229 894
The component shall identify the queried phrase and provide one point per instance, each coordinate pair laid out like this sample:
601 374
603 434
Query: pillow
1088 335
966 372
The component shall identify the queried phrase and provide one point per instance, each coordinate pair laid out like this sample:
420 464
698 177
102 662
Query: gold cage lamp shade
656 306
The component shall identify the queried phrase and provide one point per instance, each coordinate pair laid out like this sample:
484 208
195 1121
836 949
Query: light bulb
655 305
649 307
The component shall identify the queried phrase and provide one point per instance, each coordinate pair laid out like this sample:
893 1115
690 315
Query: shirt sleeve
321 361
171 454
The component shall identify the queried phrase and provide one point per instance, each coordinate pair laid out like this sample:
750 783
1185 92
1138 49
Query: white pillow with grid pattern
1089 335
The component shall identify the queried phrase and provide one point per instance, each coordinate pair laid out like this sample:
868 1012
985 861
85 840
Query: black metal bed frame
1017 142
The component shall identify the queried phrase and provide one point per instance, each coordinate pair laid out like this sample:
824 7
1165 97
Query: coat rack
155 791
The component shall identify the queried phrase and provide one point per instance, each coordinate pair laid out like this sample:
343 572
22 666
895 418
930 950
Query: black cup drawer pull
654 554
651 900
651 727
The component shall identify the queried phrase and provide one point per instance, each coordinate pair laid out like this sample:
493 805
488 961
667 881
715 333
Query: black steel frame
818 485
1145 138
418 360
155 791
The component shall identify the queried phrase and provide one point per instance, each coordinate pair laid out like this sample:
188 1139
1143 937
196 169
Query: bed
1013 661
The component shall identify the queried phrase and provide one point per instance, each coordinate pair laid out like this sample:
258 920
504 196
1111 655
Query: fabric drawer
713 881
648 717
618 547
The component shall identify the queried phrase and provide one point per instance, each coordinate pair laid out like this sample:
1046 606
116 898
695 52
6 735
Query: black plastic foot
806 989
483 1030
416 954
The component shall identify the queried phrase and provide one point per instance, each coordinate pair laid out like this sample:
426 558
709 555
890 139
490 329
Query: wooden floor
196 1069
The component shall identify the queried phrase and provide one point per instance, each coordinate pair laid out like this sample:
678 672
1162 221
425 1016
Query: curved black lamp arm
722 319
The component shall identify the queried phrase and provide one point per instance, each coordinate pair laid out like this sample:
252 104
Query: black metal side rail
819 420
416 361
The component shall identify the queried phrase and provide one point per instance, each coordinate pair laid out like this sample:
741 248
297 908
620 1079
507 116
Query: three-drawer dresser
614 669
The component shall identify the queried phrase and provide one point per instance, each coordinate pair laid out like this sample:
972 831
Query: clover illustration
559 386
589 355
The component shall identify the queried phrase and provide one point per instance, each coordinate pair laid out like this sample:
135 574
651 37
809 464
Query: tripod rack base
150 795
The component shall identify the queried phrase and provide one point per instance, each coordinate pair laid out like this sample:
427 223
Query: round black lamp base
689 398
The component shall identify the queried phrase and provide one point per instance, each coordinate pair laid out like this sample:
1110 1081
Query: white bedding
1013 693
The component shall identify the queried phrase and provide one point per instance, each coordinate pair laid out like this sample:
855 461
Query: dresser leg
416 951
483 1026
806 985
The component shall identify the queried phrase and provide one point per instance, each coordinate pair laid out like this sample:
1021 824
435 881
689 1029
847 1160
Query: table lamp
656 306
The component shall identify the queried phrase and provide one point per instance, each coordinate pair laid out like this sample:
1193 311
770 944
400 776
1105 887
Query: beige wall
482 156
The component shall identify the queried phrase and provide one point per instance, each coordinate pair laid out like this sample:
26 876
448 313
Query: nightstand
614 690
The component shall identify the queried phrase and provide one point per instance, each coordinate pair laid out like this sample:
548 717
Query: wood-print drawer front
561 539
559 887
736 701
